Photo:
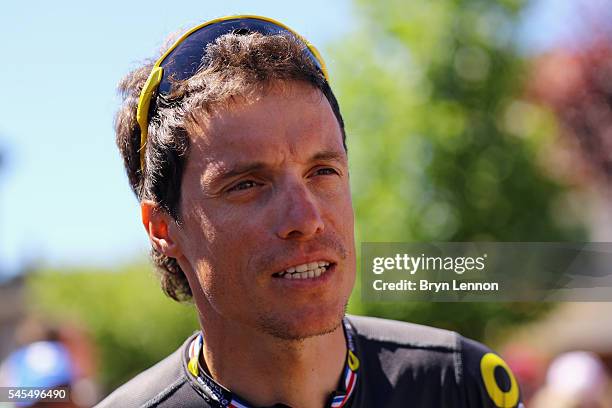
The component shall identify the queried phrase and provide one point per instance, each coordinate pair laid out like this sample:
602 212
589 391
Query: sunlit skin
266 187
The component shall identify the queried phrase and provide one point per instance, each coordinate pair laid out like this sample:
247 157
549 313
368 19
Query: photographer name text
424 285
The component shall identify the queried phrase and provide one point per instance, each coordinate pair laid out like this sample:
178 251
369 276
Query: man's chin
297 328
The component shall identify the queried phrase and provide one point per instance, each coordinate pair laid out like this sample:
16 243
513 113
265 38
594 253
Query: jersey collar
222 397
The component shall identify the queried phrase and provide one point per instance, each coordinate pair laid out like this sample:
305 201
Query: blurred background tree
442 143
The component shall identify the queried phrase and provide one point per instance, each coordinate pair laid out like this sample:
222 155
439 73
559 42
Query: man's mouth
309 270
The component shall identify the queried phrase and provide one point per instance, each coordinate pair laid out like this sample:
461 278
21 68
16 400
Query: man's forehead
296 124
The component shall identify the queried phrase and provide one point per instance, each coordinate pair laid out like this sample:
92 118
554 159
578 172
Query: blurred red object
577 86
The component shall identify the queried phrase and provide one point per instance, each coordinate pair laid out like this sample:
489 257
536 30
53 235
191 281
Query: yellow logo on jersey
501 398
353 361
193 366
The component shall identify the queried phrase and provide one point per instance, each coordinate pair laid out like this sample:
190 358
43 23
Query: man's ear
156 222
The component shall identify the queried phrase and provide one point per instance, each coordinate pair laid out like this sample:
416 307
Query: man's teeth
305 271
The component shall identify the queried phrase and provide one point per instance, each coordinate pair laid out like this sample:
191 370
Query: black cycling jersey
389 364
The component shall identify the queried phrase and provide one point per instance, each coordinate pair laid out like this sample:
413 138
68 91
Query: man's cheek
215 276
234 217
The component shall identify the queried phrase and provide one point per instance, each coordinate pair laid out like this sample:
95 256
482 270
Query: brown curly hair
235 65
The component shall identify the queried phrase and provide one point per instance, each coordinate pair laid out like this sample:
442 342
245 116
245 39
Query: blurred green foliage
442 145
133 324
442 148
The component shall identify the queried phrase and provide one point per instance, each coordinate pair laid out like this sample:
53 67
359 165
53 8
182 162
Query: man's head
245 175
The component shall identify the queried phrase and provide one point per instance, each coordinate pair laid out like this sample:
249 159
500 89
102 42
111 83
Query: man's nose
299 215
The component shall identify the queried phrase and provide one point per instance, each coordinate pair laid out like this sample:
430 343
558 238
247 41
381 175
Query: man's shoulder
396 350
444 346
166 379
458 371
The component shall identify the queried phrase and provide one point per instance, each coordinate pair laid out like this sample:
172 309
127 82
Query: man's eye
325 171
243 185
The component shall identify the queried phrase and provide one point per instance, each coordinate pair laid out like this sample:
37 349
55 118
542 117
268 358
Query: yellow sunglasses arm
142 112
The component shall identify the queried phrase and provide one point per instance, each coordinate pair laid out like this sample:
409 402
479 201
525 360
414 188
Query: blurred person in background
51 357
575 379
44 365
234 145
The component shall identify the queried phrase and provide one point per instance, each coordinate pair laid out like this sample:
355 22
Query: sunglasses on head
184 58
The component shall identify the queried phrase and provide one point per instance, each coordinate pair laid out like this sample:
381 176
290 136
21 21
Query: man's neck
267 370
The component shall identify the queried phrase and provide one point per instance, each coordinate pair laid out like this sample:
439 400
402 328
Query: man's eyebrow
240 168
329 155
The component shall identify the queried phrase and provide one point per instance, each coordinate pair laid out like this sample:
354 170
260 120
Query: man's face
265 190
